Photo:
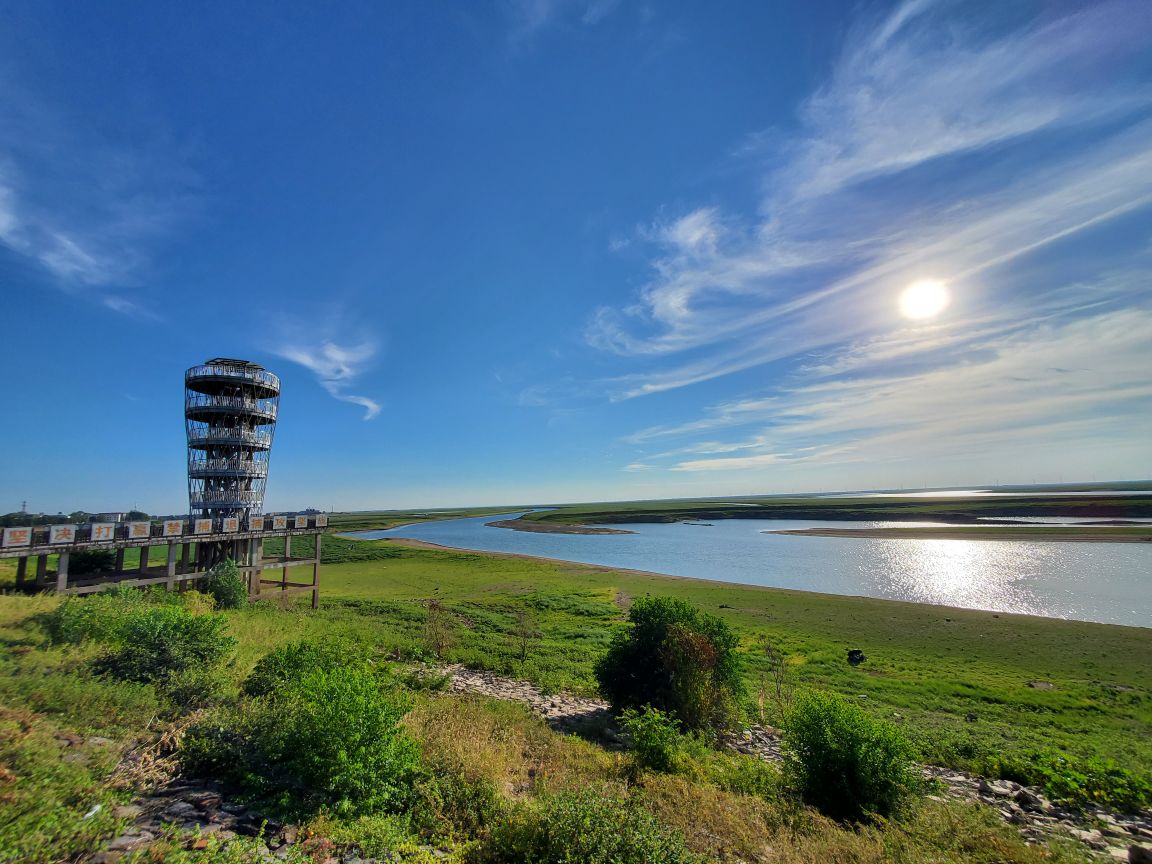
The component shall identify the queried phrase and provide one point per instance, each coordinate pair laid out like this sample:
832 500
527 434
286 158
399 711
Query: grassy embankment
929 668
959 510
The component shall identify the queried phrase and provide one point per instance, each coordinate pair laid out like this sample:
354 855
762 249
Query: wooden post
171 573
257 567
21 571
316 575
184 557
62 573
119 560
41 570
287 555
143 559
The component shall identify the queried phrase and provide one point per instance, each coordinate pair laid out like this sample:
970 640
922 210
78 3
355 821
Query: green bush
282 667
98 617
85 561
155 643
844 762
226 586
674 658
657 744
1076 782
582 828
450 804
330 739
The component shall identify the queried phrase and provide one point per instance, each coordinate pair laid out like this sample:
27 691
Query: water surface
1106 582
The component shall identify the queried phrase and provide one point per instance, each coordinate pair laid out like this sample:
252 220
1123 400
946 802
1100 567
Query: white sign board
231 523
322 520
301 521
255 523
173 527
203 526
139 530
279 523
103 531
17 537
62 534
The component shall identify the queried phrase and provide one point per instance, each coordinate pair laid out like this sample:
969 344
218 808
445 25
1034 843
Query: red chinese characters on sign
301 521
62 534
103 531
255 523
203 526
173 528
279 523
231 523
139 530
322 521
17 536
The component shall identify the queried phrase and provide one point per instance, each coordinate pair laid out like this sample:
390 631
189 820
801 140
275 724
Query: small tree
775 682
526 632
226 585
439 629
674 658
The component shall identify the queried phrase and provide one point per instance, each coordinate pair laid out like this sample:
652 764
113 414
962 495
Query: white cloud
1073 384
87 207
335 367
529 17
878 186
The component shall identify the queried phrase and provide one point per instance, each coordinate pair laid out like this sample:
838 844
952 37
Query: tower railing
237 404
245 467
209 435
215 371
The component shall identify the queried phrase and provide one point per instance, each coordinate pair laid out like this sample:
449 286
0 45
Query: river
1106 582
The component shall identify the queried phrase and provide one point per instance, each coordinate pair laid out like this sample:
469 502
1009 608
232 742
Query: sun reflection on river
969 573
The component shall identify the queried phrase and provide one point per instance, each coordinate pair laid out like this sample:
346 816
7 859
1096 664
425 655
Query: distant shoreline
1054 534
548 528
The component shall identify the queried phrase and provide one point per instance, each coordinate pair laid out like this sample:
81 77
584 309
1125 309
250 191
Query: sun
924 299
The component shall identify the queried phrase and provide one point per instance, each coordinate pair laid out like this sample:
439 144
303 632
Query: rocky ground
1113 836
195 815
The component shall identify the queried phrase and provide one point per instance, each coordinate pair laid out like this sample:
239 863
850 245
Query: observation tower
230 416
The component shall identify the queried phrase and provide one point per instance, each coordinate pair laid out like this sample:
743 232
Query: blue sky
563 250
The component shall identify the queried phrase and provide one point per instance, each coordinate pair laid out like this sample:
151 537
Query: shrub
98 617
158 642
450 803
282 667
844 762
1076 782
656 741
330 739
674 658
84 561
585 827
227 587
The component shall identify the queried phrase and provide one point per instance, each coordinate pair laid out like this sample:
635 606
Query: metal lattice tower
230 416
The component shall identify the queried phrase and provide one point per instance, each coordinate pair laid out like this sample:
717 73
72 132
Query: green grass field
957 681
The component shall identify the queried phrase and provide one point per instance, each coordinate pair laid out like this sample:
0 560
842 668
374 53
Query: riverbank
1046 533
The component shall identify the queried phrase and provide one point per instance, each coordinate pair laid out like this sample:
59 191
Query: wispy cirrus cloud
335 366
944 143
529 17
89 206
938 147
1050 385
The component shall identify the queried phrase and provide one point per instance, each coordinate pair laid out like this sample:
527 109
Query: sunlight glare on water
973 574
